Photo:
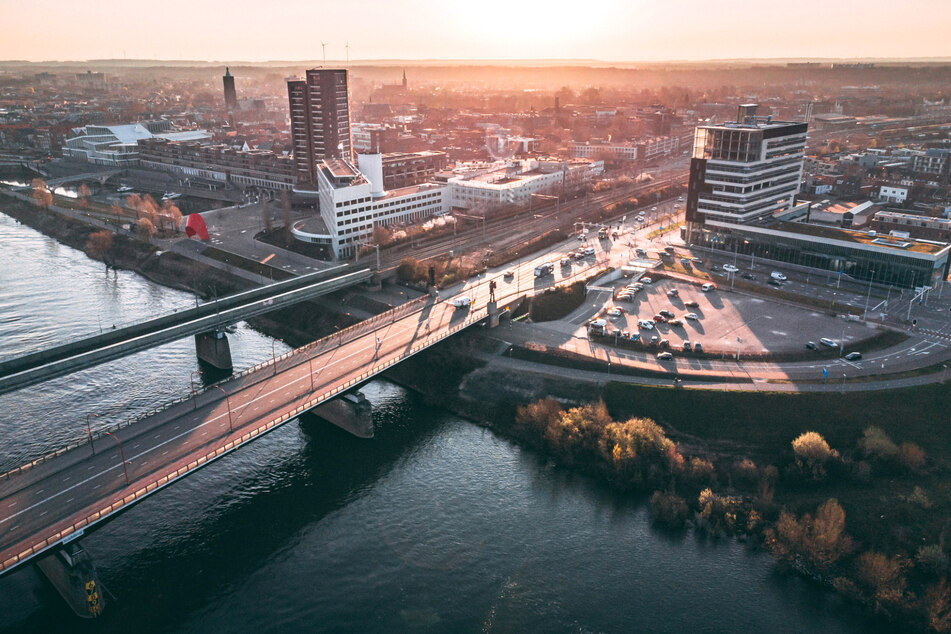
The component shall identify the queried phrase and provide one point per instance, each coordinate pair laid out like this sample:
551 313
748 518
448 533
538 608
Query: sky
609 30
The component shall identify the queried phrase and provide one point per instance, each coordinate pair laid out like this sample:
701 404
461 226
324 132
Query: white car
729 268
691 316
589 251
828 342
776 275
647 280
706 288
614 312
646 324
463 301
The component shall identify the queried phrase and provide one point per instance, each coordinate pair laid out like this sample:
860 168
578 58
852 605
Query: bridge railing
338 338
216 453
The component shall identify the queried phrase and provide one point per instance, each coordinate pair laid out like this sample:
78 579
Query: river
434 525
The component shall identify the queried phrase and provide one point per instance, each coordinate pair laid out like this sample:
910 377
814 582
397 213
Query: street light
121 455
228 402
89 431
191 382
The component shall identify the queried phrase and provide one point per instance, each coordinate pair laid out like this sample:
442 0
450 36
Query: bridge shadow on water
174 554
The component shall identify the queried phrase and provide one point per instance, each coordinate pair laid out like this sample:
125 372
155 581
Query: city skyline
420 29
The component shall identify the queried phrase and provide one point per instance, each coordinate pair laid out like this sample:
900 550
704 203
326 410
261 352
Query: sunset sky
611 30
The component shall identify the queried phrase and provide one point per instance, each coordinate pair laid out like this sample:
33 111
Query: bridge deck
48 503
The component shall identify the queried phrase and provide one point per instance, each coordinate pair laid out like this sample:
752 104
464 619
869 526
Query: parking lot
725 322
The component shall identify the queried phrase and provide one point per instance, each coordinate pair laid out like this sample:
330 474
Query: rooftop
860 237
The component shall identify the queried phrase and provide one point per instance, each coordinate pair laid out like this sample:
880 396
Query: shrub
745 471
937 604
539 415
920 498
881 576
639 450
813 452
820 540
668 509
578 430
718 512
700 470
911 456
931 557
876 443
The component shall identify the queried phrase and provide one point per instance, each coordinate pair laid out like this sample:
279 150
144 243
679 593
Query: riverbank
851 490
297 326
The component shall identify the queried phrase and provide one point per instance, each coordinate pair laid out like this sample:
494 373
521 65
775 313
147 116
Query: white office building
491 186
353 202
745 171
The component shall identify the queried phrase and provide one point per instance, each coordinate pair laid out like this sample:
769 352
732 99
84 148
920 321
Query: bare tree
145 228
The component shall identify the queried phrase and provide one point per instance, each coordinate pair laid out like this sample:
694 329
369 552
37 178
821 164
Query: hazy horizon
615 31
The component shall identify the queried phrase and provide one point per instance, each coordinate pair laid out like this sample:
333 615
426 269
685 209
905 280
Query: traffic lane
137 462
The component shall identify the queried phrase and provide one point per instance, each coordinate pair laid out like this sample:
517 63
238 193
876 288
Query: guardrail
163 481
339 338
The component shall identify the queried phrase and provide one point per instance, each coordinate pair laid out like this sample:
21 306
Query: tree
813 452
145 228
41 194
820 540
98 245
882 576
116 210
170 216
875 442
84 195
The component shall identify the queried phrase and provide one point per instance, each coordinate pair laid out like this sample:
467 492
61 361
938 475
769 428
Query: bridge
99 177
206 322
54 500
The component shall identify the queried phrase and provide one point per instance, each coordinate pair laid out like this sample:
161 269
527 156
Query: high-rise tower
231 97
320 119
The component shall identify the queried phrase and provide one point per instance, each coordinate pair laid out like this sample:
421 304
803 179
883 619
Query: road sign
825 373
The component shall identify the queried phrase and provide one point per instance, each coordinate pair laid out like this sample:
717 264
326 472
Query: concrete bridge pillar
213 348
71 571
375 283
493 309
350 412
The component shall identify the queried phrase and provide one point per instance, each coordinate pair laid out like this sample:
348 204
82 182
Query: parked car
697 261
635 336
665 343
664 356
589 251
674 323
685 261
692 304
811 345
615 312
673 292
565 261
697 347
654 340
463 301
509 274
853 356
729 268
646 280
709 286
659 318
715 268
828 342
669 249
691 316
646 324
776 275
687 347
666 313
640 252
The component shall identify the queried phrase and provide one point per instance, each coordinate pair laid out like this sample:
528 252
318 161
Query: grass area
536 244
768 421
556 303
667 229
906 374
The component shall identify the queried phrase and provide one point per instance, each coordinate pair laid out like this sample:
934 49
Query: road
42 504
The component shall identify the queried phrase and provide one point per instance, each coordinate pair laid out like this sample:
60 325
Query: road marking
70 500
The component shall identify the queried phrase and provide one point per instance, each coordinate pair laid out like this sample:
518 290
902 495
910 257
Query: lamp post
89 431
228 402
121 455
868 295
191 382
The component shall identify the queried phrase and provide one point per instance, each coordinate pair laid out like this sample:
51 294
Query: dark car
748 276
773 282
811 345
666 313
714 268
687 347
692 304
685 261
697 347
853 356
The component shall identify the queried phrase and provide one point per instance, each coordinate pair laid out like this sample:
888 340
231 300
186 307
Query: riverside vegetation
897 565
